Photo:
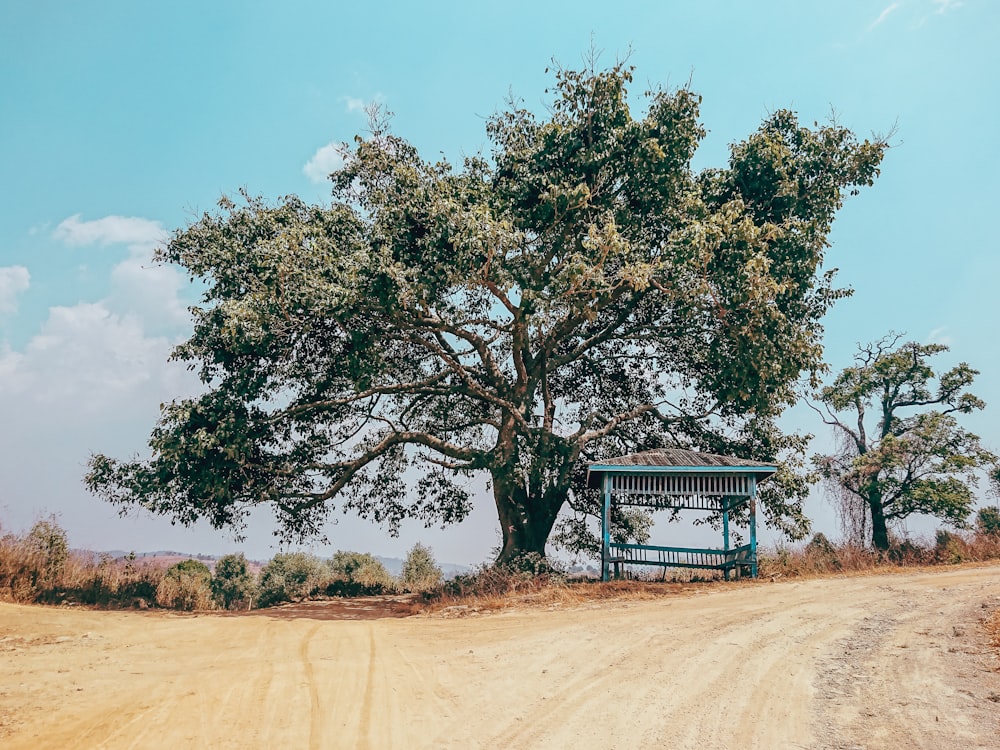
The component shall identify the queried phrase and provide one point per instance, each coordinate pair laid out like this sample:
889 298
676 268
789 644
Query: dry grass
992 627
29 575
492 589
948 548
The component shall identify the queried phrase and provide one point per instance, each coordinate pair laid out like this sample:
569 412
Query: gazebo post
753 527
606 529
725 532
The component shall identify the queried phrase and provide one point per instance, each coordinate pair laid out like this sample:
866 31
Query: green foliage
580 292
905 462
186 585
988 521
234 584
291 577
820 545
48 540
949 547
359 574
420 571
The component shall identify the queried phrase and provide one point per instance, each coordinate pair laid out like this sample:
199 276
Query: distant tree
899 455
233 582
291 577
420 571
186 585
581 292
357 573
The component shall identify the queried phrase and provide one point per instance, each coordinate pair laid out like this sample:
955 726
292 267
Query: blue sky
122 121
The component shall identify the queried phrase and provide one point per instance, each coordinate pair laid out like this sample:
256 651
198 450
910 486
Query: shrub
949 547
48 541
528 572
234 585
186 585
291 577
420 572
988 521
359 574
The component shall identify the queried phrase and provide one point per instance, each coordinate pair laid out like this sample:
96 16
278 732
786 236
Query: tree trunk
525 520
880 530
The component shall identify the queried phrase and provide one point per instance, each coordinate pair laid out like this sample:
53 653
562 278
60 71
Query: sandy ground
894 661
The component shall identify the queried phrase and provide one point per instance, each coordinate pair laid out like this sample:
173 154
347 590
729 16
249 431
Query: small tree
906 462
357 573
48 541
233 583
291 577
420 572
186 585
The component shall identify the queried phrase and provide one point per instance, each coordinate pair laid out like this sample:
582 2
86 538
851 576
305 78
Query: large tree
578 292
901 449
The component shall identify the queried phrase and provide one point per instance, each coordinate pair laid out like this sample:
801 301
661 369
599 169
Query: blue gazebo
675 479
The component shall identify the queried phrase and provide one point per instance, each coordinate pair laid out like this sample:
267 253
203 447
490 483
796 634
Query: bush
988 521
359 574
234 585
187 586
48 541
949 547
528 572
291 577
420 572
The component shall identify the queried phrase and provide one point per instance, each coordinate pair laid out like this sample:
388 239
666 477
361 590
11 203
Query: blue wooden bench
741 559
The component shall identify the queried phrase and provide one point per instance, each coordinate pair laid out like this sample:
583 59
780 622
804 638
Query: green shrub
821 555
949 547
420 572
291 577
820 545
48 541
234 585
186 585
359 574
988 521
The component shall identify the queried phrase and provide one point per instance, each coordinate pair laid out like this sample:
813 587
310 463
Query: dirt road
872 662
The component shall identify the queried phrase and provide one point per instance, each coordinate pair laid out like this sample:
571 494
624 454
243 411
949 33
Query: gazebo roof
676 461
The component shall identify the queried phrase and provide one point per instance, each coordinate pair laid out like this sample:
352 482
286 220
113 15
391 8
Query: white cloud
83 358
111 230
939 8
354 104
939 335
943 6
139 285
13 281
89 380
886 12
327 159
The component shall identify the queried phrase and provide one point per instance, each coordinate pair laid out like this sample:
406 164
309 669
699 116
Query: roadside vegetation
39 567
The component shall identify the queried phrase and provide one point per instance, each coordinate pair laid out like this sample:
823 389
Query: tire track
315 713
367 702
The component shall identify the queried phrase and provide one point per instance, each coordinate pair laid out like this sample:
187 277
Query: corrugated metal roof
676 457
662 460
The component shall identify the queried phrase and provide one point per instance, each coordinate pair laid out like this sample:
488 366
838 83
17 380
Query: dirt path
876 662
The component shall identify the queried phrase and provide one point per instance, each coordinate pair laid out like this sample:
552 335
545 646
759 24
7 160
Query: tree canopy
579 292
902 450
